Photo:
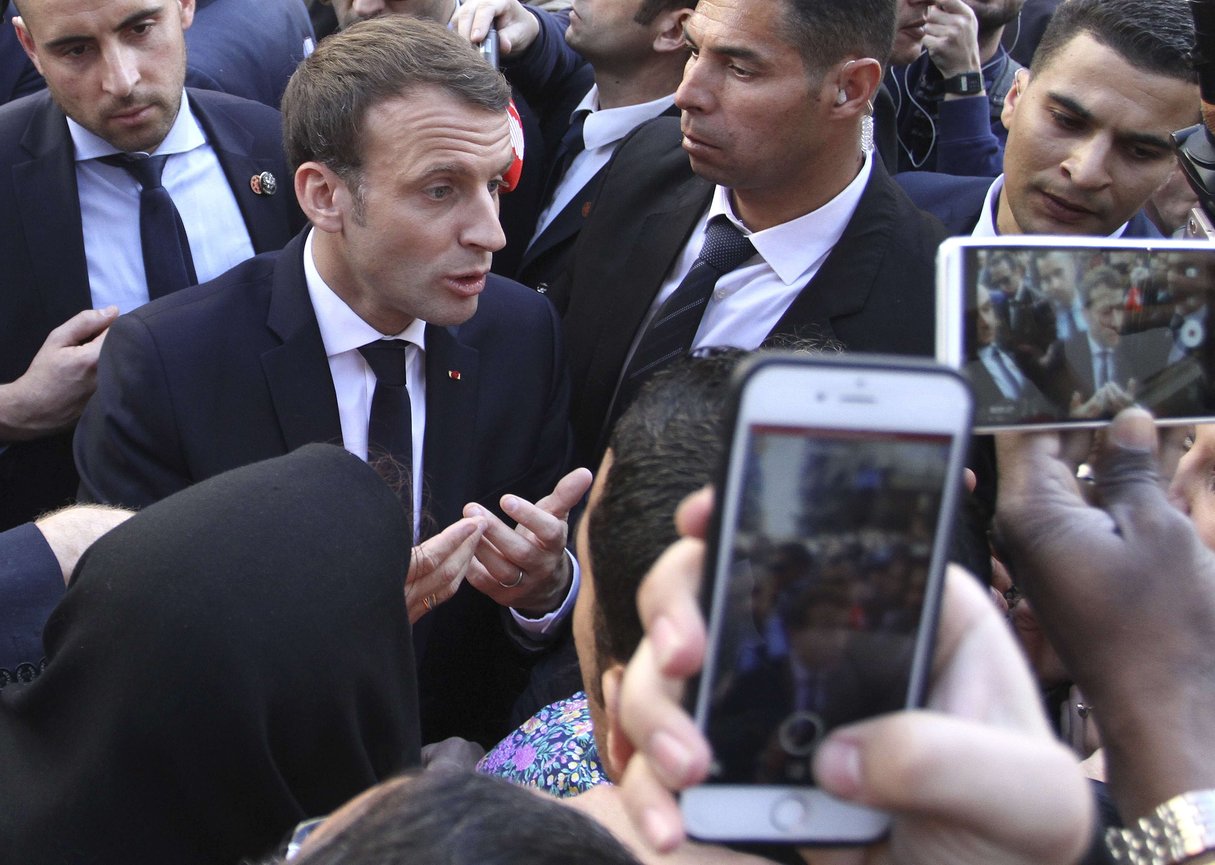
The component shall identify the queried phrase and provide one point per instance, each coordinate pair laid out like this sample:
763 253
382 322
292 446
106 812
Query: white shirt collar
792 247
986 226
184 136
606 126
341 328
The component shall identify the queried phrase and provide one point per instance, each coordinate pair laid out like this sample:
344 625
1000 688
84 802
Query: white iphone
822 587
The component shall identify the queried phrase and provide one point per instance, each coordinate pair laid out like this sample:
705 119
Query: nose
694 91
367 8
483 229
1087 164
121 71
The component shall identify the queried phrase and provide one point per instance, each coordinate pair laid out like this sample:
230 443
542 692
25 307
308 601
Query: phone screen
1066 335
820 592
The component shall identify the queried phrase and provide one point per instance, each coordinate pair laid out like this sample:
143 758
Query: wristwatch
966 84
1176 832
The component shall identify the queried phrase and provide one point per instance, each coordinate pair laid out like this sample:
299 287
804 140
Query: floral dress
554 751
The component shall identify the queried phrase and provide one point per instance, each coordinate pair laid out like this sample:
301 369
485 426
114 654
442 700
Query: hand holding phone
829 542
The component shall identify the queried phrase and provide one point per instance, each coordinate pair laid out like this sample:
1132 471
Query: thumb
82 326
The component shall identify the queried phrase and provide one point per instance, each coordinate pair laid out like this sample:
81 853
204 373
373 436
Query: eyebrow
726 50
133 18
1084 114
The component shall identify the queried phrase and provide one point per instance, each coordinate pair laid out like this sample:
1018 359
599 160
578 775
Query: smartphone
828 546
1057 332
489 47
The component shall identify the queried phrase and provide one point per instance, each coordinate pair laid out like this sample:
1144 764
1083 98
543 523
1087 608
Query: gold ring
430 602
517 581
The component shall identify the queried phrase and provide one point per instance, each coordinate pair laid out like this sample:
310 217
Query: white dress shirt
605 128
749 300
343 332
109 211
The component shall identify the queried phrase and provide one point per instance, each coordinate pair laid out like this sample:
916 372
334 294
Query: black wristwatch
966 84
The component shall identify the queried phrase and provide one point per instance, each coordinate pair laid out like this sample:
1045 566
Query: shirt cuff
545 625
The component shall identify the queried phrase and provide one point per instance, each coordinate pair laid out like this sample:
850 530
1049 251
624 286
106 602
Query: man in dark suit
1107 364
636 56
398 157
70 235
1088 127
842 255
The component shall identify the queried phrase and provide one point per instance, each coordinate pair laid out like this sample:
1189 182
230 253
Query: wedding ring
430 602
517 581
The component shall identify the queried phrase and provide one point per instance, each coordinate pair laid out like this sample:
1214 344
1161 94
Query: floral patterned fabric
554 751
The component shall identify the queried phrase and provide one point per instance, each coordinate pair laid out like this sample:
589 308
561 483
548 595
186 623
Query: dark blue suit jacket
234 371
33 584
46 278
247 48
958 201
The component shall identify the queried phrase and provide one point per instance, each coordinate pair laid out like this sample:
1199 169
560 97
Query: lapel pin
263 184
586 209
453 374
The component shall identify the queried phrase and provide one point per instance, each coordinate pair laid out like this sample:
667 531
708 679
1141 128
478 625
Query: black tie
674 326
572 143
390 429
166 248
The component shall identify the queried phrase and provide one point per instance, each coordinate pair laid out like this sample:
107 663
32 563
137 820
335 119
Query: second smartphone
827 551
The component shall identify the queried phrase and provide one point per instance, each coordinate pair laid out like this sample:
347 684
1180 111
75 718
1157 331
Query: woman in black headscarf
230 661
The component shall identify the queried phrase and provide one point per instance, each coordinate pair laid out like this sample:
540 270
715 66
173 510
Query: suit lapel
297 371
842 285
568 222
50 214
233 146
452 383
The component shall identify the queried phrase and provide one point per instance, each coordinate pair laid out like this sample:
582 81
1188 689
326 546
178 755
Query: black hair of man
827 31
463 818
651 9
1101 278
1155 37
333 91
667 444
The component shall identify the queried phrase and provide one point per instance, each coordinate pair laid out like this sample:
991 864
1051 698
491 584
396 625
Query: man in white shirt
70 235
773 101
1088 127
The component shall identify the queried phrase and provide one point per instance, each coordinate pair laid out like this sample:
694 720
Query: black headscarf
228 662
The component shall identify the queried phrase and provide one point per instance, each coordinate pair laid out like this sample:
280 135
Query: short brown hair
328 98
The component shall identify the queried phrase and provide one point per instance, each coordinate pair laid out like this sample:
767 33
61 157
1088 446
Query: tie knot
725 247
386 357
145 169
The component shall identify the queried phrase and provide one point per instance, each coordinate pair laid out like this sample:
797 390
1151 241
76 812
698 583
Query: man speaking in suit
398 136
71 226
781 221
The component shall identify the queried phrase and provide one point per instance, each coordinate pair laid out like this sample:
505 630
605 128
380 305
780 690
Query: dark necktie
1104 367
572 143
166 249
390 428
673 328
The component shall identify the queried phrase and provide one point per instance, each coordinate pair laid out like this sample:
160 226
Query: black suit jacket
874 293
234 371
1137 356
46 278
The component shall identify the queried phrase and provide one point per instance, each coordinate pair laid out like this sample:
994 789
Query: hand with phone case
985 783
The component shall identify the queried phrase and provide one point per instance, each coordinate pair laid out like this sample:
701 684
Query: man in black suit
70 231
773 100
1088 127
635 56
398 156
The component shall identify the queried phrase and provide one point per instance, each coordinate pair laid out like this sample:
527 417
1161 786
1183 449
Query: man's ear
187 13
669 34
323 196
27 43
855 86
1013 96
619 749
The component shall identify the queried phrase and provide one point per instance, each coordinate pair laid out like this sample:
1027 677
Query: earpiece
841 97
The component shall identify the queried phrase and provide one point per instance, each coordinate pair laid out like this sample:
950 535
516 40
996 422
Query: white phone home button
790 812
